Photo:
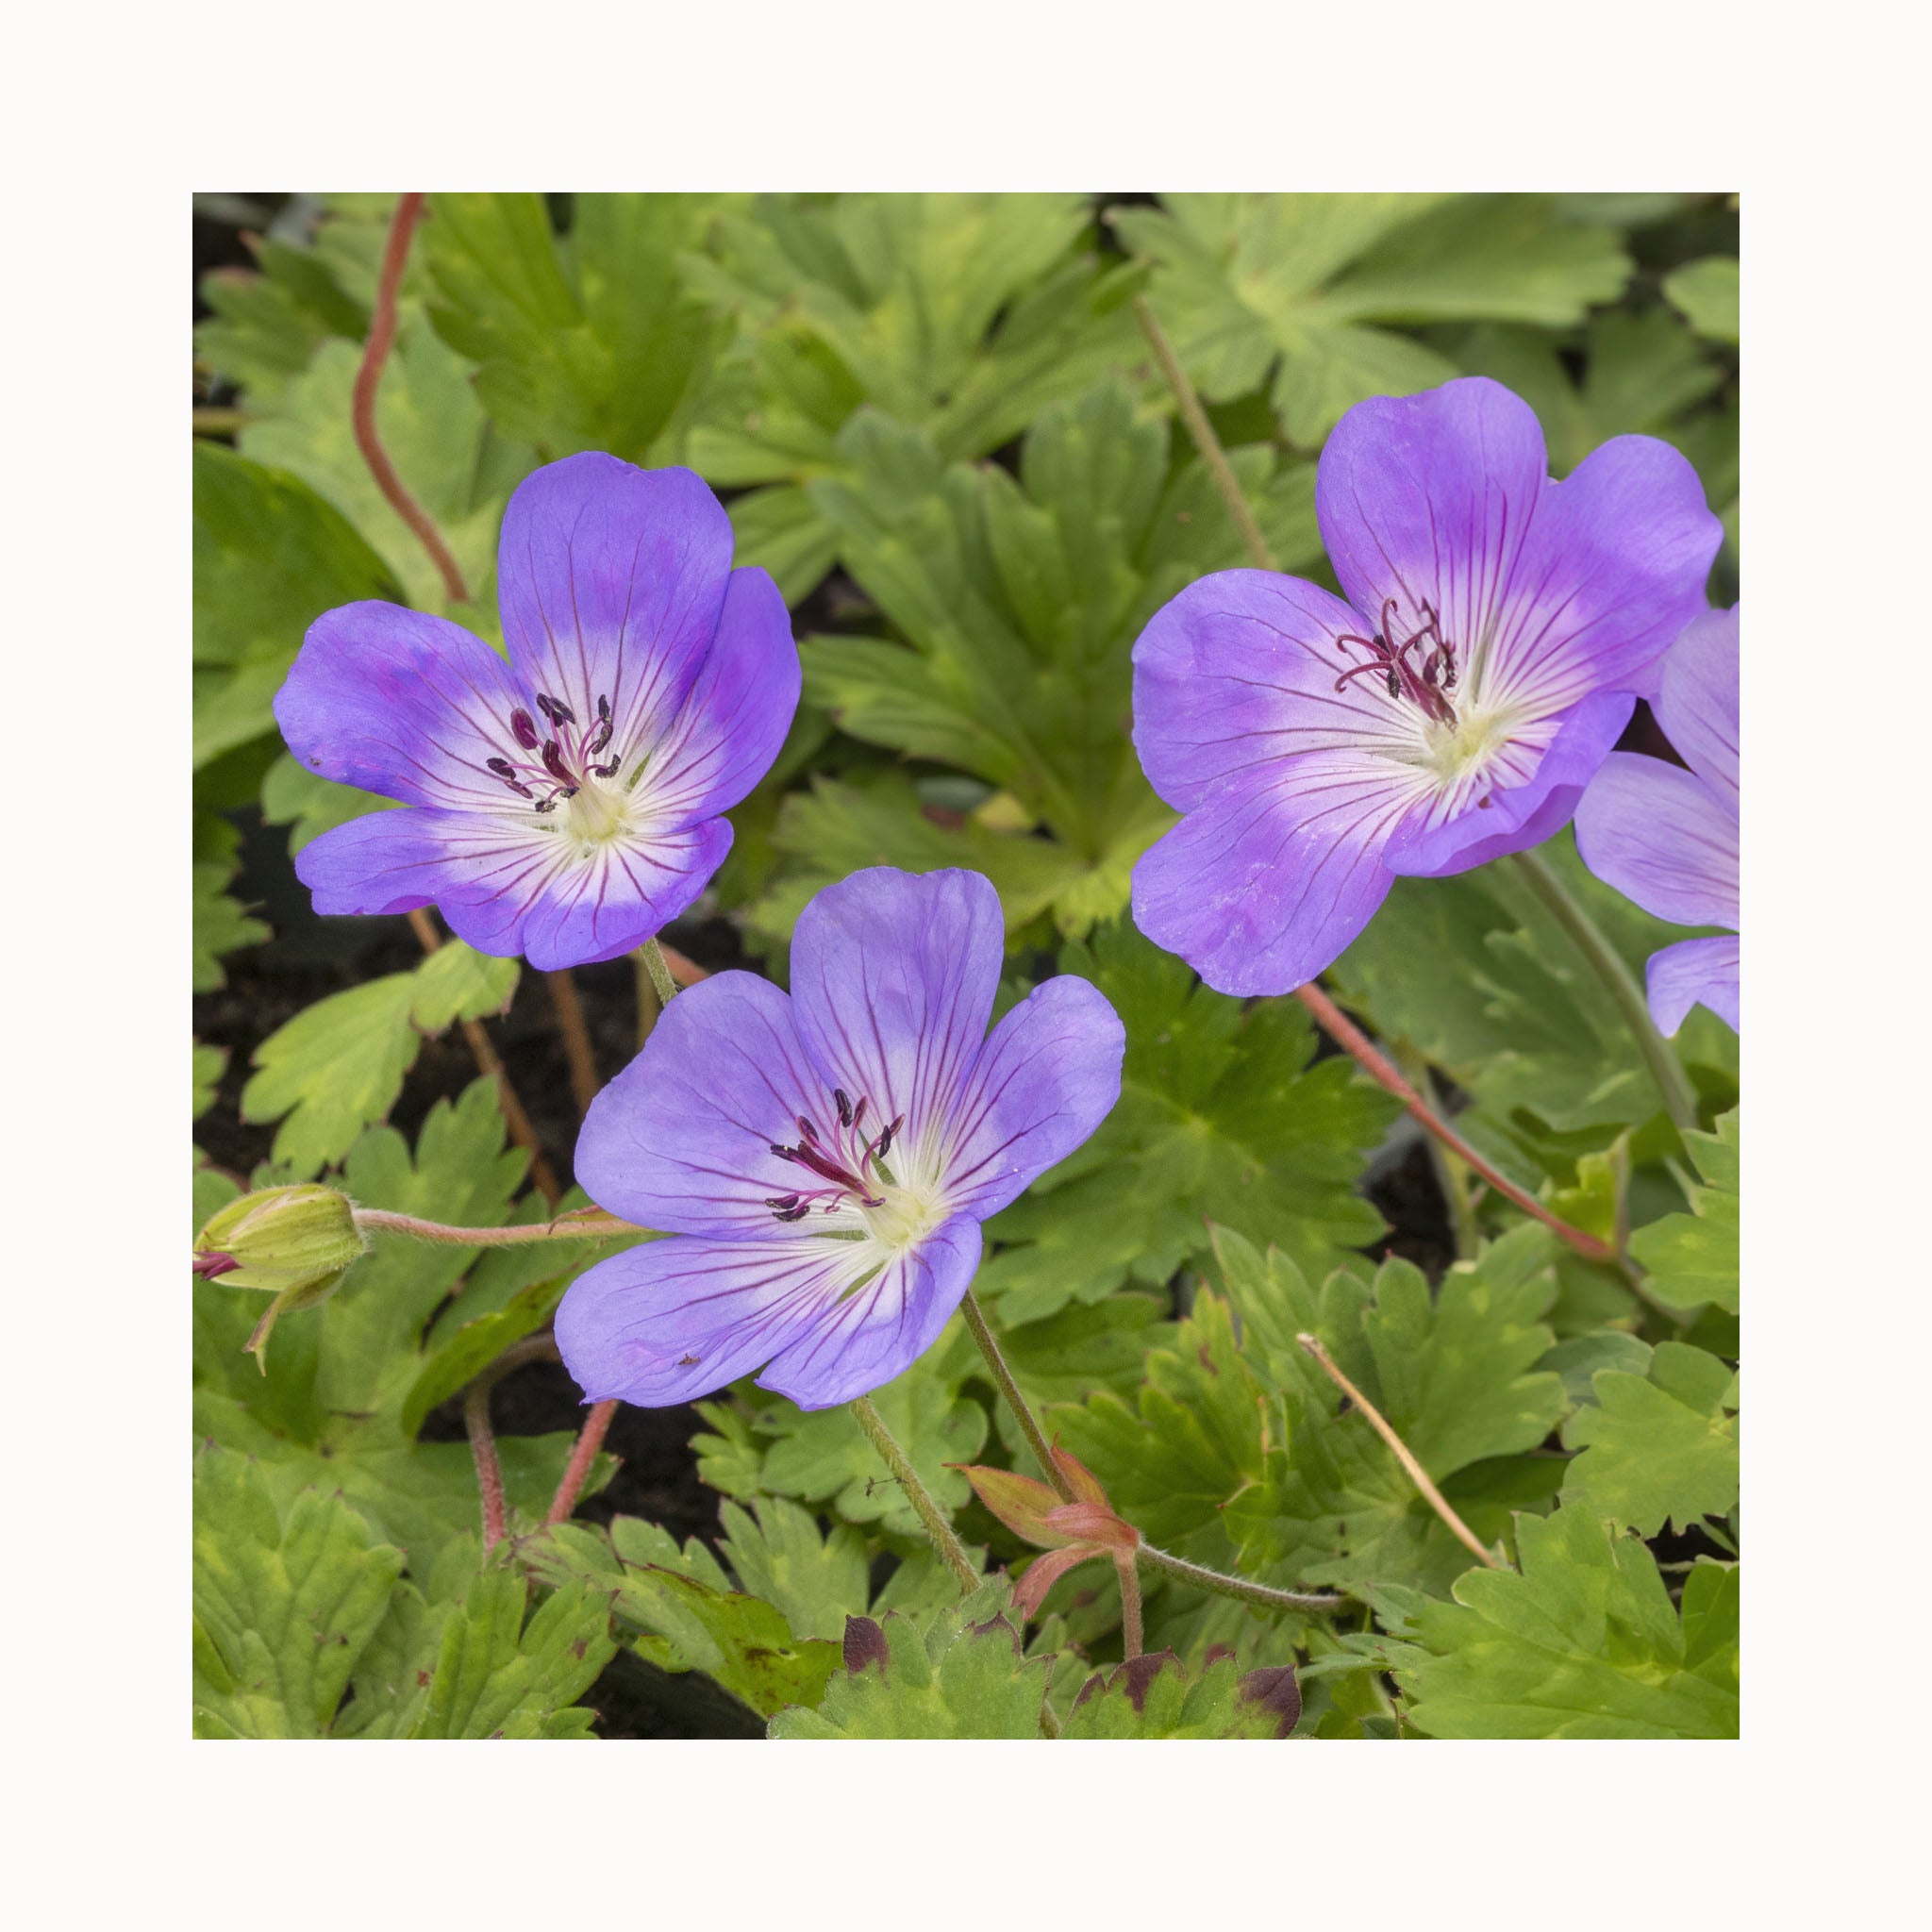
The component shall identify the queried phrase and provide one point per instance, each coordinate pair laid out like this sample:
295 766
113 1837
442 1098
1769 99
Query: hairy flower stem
1204 1578
382 333
577 1038
655 986
583 1224
938 1531
1354 1041
1417 1474
1195 417
1023 1412
520 1131
1130 1603
1666 1068
661 981
576 1472
483 1438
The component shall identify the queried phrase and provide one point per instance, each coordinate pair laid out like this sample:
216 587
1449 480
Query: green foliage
1657 1447
688 1615
1018 603
959 1674
433 428
338 1065
270 558
1584 1643
1457 1375
1152 1696
1705 295
587 339
1693 1258
820 1456
1222 1116
219 925
294 795
284 1602
1297 289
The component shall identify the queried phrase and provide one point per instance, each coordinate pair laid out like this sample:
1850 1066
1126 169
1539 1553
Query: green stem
1666 1070
591 1223
1195 417
1202 1578
952 1552
661 981
1023 1412
1130 1603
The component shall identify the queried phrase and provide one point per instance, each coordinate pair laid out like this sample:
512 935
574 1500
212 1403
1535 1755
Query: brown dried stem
1417 1474
382 333
577 1049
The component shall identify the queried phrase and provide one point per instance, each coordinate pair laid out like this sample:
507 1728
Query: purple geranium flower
1668 837
1452 711
564 806
823 1160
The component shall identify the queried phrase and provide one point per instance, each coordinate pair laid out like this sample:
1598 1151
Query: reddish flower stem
489 1470
520 1131
590 1440
577 1038
1356 1043
382 333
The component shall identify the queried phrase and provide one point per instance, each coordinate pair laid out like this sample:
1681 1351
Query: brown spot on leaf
865 1643
581 1649
1139 1671
422 1680
1275 1690
1216 1651
994 1623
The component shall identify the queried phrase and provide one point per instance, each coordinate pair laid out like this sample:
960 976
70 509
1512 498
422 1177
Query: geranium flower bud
295 1243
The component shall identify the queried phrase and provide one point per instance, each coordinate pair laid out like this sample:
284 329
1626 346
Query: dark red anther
559 715
604 708
810 1132
797 1214
553 761
783 1152
524 729
844 1105
609 771
782 1201
502 767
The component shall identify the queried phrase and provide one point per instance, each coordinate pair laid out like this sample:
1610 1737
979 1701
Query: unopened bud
295 1243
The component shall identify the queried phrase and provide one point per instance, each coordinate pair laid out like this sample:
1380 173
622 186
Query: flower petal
1266 885
1046 1079
1238 673
682 1138
1512 819
879 1330
1431 497
1694 971
403 704
1698 699
674 1319
892 982
1548 592
610 580
609 904
1661 838
733 722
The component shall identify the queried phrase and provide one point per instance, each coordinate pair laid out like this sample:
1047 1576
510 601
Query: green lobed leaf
1152 1696
285 1601
1584 1643
1693 1257
587 339
1705 295
1223 1115
1657 1447
218 923
1297 289
959 1674
689 1616
1457 1375
270 558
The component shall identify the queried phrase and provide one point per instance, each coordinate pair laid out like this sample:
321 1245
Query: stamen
844 1105
559 715
524 729
810 1132
554 764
